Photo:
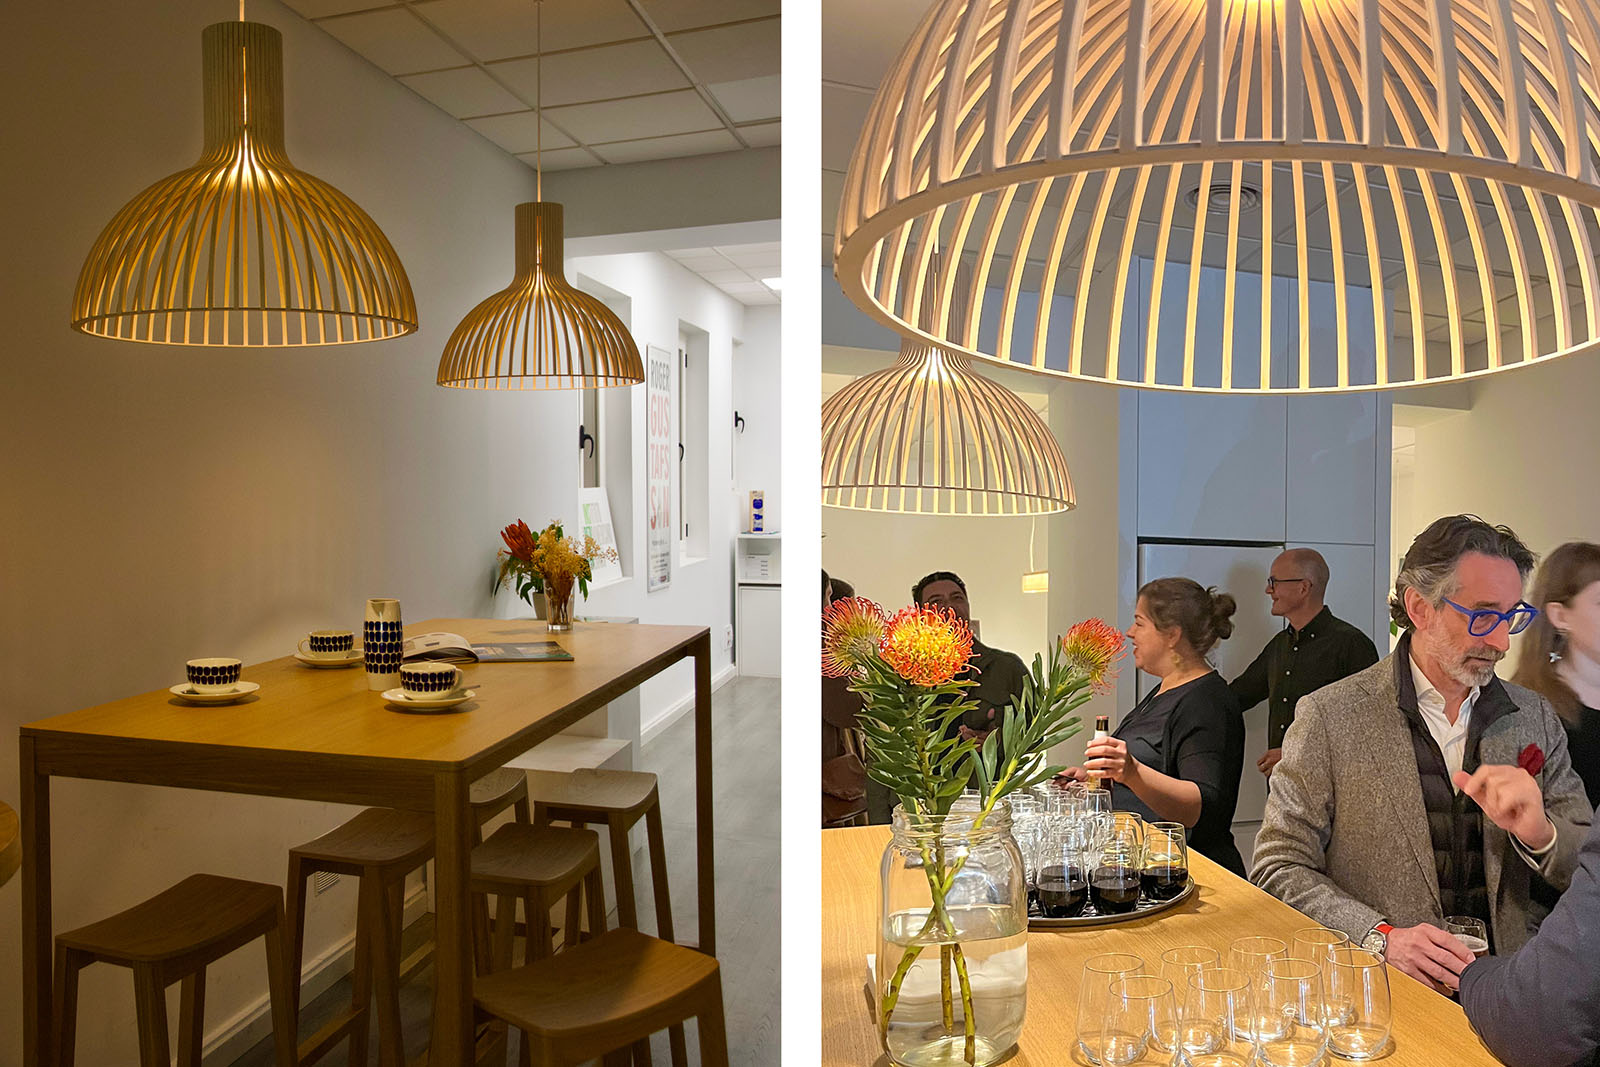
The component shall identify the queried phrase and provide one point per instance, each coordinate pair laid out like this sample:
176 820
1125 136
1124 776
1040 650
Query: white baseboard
253 1023
649 731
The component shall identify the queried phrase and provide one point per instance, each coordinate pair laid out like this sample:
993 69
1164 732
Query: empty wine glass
1289 1016
1141 1023
1313 942
1094 997
1250 954
1214 1028
1177 964
1360 1014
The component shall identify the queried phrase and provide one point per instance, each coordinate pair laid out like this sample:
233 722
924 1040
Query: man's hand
1430 955
1108 757
1269 759
969 734
1512 800
1072 774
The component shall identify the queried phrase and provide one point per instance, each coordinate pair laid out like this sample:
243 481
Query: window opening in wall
603 434
589 458
694 435
683 452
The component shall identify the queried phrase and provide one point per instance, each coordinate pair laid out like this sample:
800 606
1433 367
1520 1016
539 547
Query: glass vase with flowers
951 970
551 563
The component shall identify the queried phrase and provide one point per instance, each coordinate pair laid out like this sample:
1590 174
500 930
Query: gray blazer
1345 837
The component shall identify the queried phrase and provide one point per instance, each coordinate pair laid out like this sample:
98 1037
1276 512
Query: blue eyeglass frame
1523 612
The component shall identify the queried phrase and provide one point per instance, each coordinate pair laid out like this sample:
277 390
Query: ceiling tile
703 263
731 53
516 133
464 91
756 248
743 287
643 116
844 112
723 277
501 29
763 134
315 9
761 264
563 159
394 40
750 99
672 15
860 42
595 73
688 144
694 253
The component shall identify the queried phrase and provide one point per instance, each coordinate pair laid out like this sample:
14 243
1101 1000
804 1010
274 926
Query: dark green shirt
1297 662
999 675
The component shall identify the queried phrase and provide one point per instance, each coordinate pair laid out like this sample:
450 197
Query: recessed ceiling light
772 283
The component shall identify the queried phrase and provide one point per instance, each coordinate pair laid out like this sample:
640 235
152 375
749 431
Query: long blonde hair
1565 573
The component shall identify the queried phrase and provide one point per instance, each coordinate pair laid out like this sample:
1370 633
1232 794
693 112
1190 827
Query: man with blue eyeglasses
1424 786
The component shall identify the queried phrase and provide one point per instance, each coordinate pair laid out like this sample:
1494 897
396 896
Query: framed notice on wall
659 457
596 511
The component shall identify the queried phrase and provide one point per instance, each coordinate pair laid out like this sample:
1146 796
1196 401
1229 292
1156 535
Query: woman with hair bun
1177 756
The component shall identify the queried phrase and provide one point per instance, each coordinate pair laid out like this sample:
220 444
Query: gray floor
746 762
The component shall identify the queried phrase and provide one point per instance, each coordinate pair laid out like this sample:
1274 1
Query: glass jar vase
952 966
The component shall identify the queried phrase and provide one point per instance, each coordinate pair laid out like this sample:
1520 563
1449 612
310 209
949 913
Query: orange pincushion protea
926 646
851 629
1093 647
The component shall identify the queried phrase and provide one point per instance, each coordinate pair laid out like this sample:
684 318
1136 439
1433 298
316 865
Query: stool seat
607 993
378 837
204 914
518 855
496 790
624 792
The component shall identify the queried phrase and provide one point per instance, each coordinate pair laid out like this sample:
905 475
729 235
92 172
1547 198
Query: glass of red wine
1166 861
1114 882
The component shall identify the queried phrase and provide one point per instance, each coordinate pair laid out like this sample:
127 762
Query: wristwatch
1378 940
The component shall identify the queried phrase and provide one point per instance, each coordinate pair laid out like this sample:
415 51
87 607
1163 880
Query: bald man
1313 650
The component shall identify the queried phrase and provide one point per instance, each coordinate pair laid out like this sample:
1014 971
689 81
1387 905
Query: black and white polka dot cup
328 644
213 675
429 681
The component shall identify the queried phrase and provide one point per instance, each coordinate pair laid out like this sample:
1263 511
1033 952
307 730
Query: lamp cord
538 98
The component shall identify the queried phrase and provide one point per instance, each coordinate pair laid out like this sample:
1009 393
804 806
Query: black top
1195 732
999 676
1583 745
1297 662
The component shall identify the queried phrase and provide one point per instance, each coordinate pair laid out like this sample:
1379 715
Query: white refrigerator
1242 571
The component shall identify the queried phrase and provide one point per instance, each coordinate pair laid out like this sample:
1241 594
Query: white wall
167 502
757 393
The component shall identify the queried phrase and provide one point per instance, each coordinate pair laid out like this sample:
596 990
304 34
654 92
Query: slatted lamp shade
539 332
243 249
1415 180
929 436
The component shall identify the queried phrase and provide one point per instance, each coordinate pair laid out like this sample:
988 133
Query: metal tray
1090 917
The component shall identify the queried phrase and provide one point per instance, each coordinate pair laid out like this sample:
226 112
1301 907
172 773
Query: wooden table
1429 1029
323 735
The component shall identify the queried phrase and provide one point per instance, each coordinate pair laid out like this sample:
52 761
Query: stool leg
150 997
386 972
713 1027
280 997
574 922
68 964
505 931
361 974
540 944
622 872
658 870
191 1019
594 892
295 928
679 1045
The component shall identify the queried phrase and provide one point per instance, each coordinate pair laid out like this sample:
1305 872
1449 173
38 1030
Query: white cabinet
1211 467
1333 470
759 653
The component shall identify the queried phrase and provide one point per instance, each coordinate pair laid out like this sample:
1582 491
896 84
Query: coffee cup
328 644
429 680
213 675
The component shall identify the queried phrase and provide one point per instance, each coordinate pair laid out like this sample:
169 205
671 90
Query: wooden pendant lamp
1238 195
243 248
540 332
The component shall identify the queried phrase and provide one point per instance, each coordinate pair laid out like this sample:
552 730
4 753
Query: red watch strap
1383 928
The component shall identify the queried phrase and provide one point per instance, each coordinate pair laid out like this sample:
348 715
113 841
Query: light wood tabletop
10 843
1429 1029
324 735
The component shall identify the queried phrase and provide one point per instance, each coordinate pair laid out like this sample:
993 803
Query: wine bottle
1102 729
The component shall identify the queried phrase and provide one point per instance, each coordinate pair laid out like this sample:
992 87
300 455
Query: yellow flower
851 630
927 646
1094 647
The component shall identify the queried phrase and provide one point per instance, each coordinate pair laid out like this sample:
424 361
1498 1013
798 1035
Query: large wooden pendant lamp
539 332
243 248
1415 180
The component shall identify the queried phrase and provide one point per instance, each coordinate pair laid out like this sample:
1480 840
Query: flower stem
968 1025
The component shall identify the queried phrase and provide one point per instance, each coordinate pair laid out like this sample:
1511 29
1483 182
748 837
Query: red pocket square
1531 759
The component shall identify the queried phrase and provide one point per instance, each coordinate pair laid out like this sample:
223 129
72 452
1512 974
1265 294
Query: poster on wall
658 378
596 510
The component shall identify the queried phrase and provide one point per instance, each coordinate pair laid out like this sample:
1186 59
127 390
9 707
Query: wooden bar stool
380 846
538 866
608 993
488 797
173 936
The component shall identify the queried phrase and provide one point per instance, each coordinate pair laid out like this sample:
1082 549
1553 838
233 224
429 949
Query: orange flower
926 646
852 627
519 541
1094 648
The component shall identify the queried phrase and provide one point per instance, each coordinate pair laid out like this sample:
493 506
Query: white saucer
348 659
234 692
401 699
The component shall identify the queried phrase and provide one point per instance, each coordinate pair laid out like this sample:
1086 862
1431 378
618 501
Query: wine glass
1094 997
1063 884
1472 933
1360 1014
1166 860
1313 943
1141 1023
1251 954
1114 881
1177 964
1289 1019
1214 1031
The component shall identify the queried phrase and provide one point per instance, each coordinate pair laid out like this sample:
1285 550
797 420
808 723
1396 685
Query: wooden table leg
706 867
452 1044
38 1028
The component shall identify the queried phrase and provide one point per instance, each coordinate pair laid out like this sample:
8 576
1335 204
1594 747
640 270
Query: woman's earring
1560 643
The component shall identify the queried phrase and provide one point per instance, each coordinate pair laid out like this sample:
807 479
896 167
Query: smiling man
1400 799
1313 650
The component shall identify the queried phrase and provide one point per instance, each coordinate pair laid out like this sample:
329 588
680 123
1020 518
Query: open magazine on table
513 646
